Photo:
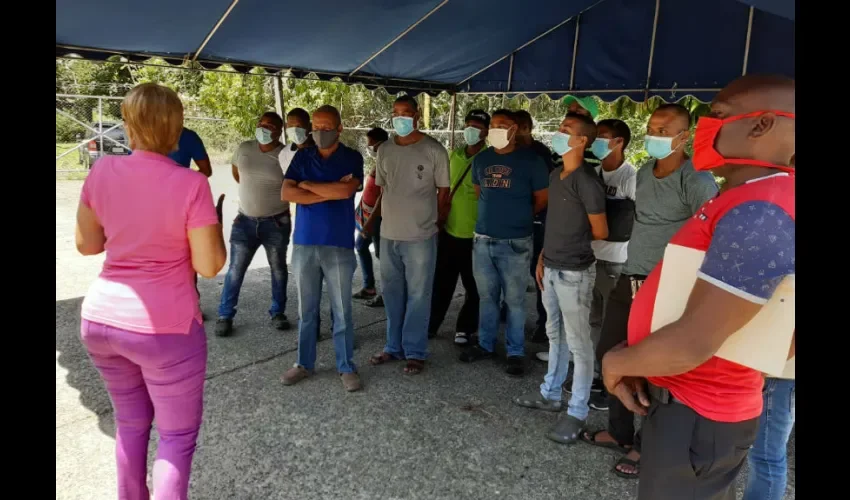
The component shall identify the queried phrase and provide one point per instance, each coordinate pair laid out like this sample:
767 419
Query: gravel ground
450 433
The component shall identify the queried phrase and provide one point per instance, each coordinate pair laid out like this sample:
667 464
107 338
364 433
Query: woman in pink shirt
141 323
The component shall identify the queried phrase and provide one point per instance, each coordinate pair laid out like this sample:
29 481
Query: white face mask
499 138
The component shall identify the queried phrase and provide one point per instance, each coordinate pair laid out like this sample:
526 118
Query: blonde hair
153 118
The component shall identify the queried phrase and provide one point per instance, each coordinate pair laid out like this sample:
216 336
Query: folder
762 344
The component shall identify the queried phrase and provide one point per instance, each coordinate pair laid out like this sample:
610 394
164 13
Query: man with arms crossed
322 182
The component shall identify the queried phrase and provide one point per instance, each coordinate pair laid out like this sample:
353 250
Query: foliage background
237 100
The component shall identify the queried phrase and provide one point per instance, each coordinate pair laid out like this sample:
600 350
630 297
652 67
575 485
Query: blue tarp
514 46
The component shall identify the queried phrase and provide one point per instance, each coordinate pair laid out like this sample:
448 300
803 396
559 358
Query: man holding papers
703 410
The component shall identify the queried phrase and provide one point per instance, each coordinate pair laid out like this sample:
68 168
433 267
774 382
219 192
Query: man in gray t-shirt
263 220
662 207
413 174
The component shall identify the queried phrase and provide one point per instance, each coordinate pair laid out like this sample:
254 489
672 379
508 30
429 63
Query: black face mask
324 139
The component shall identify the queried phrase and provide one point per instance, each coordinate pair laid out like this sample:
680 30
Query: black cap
478 116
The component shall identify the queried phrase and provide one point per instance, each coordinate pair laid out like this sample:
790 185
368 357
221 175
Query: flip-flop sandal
414 367
589 438
629 462
381 358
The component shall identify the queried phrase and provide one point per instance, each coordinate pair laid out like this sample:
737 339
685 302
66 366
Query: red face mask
707 158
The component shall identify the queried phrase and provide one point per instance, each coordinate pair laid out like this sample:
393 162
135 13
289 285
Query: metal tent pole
452 122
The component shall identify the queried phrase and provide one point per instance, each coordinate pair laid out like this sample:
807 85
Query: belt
267 217
661 395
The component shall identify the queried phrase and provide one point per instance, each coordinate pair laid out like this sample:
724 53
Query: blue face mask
561 143
471 135
264 136
659 147
599 148
403 125
296 134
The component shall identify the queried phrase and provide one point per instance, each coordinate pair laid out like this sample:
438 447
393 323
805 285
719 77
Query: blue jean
501 266
407 280
361 245
312 263
768 457
246 236
567 296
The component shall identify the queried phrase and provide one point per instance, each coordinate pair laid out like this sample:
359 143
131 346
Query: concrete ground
449 433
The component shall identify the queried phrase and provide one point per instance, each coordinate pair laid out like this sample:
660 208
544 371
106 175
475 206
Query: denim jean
539 231
246 236
567 296
312 263
501 265
407 280
768 457
361 245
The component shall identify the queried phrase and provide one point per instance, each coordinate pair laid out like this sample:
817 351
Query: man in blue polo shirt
322 181
191 147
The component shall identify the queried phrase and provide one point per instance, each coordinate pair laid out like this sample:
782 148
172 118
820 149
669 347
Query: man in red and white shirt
702 411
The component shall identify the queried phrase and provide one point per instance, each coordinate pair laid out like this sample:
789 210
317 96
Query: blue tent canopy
608 48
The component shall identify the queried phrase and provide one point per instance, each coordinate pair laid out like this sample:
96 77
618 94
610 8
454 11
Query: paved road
450 433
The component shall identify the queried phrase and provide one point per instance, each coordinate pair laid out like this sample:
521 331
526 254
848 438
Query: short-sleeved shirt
260 180
410 176
190 147
566 243
662 206
464 212
619 185
549 158
748 237
146 207
328 223
507 183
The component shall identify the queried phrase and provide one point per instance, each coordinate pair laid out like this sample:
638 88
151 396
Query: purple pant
152 376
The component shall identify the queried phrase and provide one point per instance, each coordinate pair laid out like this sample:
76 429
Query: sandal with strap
590 438
630 463
381 358
414 366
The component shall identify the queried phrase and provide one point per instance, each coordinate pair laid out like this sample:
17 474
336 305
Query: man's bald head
766 137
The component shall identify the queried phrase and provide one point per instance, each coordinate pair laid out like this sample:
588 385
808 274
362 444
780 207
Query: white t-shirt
619 184
286 155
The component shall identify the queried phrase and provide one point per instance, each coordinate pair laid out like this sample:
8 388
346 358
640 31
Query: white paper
762 344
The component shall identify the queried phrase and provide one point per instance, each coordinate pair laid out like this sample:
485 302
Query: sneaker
294 375
539 336
462 338
281 322
596 387
378 301
351 381
475 353
223 327
598 401
542 356
516 366
566 430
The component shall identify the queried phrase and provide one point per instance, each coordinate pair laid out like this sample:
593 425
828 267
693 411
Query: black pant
615 325
686 455
454 258
539 230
